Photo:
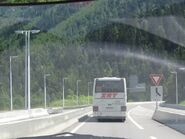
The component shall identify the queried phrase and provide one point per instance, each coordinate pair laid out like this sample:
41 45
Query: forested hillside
83 41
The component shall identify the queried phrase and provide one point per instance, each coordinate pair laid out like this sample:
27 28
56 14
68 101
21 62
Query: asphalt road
138 125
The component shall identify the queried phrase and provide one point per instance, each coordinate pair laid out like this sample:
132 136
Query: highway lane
138 125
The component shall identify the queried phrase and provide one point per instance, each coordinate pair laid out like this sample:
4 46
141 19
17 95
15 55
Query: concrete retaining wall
173 120
173 106
22 114
29 126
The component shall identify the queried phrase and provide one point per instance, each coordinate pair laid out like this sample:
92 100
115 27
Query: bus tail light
123 108
95 108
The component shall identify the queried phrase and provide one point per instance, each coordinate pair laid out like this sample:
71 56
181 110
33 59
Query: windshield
109 86
51 53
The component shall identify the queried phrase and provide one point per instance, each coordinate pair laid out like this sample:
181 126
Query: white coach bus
109 98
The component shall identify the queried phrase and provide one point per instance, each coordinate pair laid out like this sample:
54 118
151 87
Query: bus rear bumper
109 115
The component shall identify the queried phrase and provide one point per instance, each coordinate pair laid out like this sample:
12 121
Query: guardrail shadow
68 135
88 118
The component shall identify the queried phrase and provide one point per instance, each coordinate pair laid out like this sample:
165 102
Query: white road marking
133 121
66 117
79 126
152 137
66 135
91 115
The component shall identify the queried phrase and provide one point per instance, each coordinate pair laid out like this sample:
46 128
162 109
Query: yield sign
156 78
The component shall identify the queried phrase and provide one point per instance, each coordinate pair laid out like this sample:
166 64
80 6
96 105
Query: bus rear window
109 86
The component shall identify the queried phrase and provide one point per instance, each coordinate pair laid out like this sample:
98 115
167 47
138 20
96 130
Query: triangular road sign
156 78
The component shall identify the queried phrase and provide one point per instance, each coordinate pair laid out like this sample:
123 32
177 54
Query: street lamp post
88 91
63 89
45 95
177 100
77 93
27 64
182 69
11 82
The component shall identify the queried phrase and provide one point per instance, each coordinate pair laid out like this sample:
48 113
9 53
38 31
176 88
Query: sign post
156 78
156 91
157 94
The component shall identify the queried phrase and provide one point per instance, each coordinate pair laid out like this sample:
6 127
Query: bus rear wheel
123 119
99 120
